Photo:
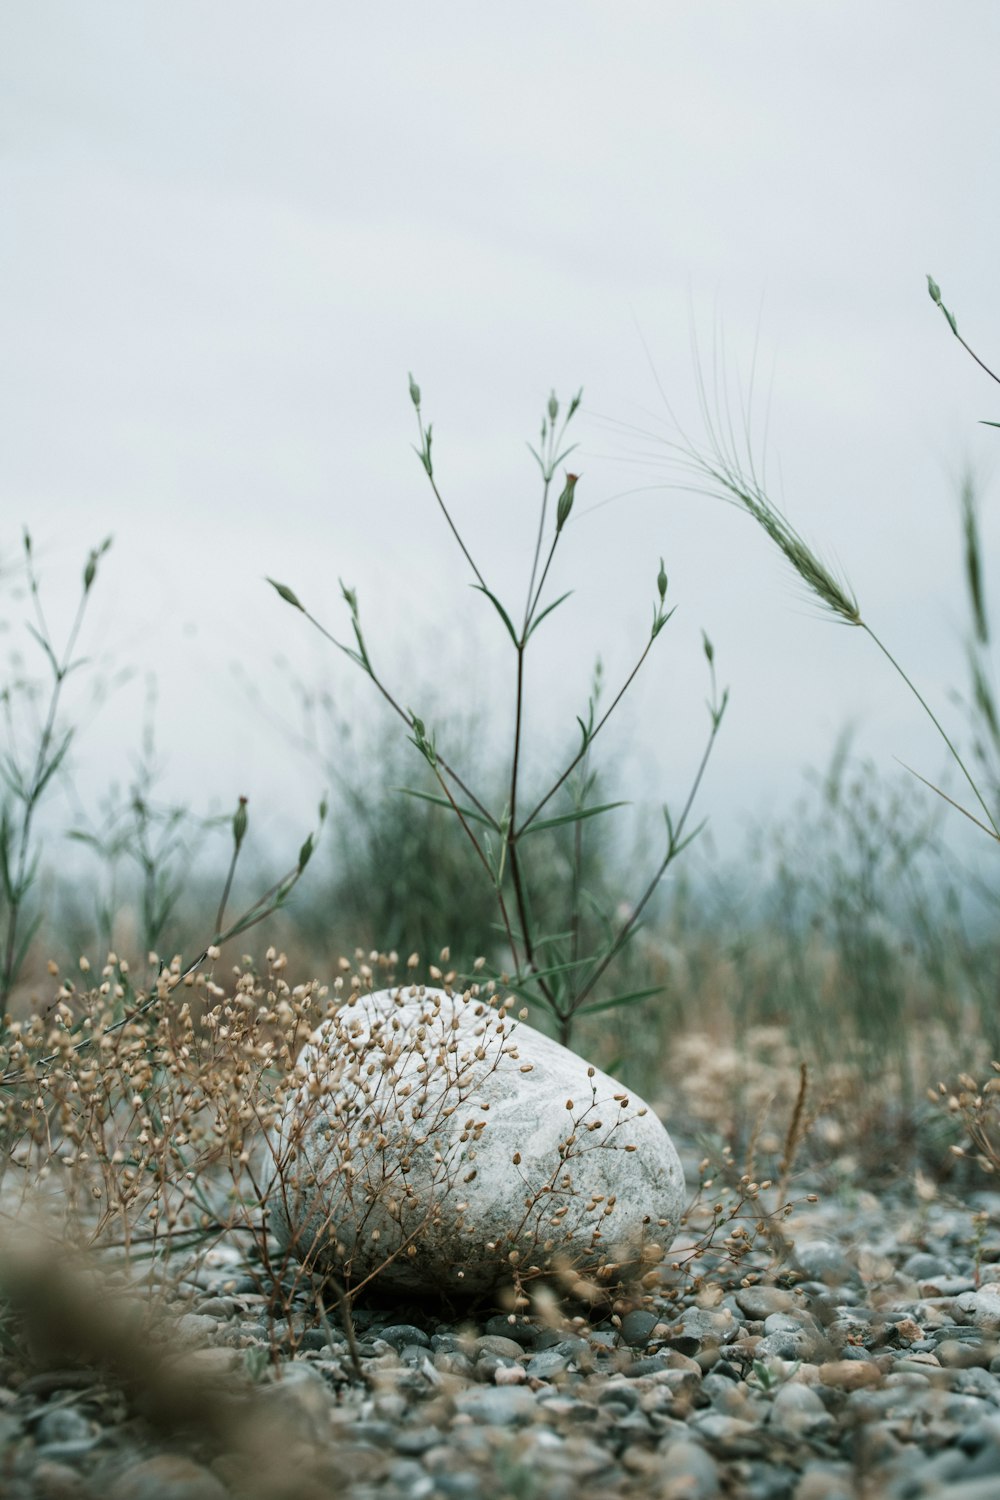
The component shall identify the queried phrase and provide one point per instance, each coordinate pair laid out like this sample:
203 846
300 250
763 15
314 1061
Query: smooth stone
498 1406
759 1302
453 1362
416 1440
923 1267
823 1261
399 1335
637 1327
518 1329
66 1425
797 1409
548 1363
708 1327
430 1097
492 1343
51 1480
688 1471
983 1306
167 1477
196 1328
618 1393
826 1481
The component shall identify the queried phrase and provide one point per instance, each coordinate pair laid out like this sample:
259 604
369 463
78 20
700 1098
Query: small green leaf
984 423
467 812
577 816
660 619
546 611
45 647
632 998
482 589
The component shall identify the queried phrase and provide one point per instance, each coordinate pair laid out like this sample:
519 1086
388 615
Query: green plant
722 470
935 296
29 763
550 966
144 850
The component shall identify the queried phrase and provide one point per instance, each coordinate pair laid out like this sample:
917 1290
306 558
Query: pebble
873 1350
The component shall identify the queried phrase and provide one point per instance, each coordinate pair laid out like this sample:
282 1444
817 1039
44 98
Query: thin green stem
407 718
673 848
444 509
590 739
937 725
32 791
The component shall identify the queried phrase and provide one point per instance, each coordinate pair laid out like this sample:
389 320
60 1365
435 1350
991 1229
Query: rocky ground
867 1365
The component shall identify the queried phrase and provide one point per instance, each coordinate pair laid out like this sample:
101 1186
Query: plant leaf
577 816
482 589
546 611
631 998
467 812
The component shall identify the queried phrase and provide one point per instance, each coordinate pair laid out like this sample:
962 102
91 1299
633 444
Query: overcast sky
229 229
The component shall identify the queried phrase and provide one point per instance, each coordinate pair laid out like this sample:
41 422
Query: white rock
443 1145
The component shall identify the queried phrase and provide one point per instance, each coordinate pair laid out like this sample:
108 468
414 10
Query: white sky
229 229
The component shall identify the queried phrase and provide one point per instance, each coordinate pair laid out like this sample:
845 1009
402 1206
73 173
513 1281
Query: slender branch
406 717
937 725
590 739
673 849
444 509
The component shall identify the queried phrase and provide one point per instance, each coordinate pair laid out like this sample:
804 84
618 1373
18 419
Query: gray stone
167 1477
436 1124
637 1326
64 1425
688 1471
548 1362
759 1302
982 1307
708 1326
798 1410
498 1406
823 1261
399 1335
518 1329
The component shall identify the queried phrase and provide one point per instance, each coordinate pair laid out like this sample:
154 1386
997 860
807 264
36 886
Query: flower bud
414 391
661 581
286 593
565 502
240 822
553 407
934 290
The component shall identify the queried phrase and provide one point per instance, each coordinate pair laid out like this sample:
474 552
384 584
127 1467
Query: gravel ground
868 1366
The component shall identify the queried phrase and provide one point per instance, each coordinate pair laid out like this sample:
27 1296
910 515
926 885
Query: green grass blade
505 617
630 999
467 812
577 816
546 611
